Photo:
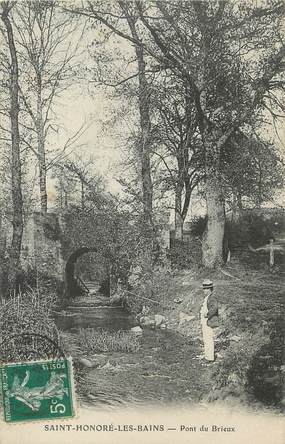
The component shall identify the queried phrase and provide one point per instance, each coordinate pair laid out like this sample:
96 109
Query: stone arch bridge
42 251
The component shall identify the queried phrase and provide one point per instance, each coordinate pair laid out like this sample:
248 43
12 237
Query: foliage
185 255
52 230
177 153
83 228
198 225
98 341
116 235
27 313
265 375
40 283
253 170
251 370
105 287
184 122
254 228
230 375
152 290
235 86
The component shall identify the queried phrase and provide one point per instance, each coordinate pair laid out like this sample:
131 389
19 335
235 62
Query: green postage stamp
37 390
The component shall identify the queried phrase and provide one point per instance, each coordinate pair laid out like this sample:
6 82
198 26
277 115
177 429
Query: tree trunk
234 207
41 149
239 203
82 195
65 199
259 197
212 248
61 195
16 173
271 254
214 234
188 192
145 123
145 139
212 245
2 258
145 150
179 221
147 187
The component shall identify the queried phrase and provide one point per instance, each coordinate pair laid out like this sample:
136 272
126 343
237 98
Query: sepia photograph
142 221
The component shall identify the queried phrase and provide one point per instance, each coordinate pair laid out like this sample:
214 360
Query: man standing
209 319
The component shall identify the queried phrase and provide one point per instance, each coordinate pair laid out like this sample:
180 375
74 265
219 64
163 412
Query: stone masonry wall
41 246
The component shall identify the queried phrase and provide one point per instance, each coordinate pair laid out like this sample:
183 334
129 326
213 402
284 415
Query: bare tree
179 144
79 171
125 25
47 54
16 174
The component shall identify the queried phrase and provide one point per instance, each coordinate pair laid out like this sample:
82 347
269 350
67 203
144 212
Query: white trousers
208 338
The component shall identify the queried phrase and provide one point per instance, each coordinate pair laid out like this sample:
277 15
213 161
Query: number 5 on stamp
37 390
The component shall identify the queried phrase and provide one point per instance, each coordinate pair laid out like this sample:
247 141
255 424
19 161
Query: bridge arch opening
75 273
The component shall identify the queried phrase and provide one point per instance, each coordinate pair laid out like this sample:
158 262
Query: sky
77 109
84 104
77 106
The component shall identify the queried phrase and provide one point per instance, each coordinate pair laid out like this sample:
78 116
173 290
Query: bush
26 316
251 370
31 281
254 229
198 225
153 291
230 375
265 376
97 341
185 255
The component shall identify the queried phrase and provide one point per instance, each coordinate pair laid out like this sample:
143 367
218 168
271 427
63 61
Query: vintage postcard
142 221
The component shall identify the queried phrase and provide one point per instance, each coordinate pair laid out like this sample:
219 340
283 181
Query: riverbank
249 368
168 367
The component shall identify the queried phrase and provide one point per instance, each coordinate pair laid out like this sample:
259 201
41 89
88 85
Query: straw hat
207 284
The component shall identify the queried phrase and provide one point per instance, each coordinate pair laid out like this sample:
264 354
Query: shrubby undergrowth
153 291
26 314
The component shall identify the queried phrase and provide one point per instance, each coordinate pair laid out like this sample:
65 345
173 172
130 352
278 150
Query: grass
249 370
251 305
98 341
28 313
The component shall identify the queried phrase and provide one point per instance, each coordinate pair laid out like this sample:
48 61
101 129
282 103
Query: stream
164 370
